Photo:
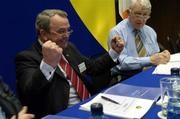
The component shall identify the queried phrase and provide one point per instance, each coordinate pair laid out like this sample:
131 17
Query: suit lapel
37 47
71 60
59 72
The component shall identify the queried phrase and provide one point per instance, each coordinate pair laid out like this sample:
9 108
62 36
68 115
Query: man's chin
63 46
139 26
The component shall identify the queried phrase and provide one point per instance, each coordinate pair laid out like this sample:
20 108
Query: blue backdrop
18 31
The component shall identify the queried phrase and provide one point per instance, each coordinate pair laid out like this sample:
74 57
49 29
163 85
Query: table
145 78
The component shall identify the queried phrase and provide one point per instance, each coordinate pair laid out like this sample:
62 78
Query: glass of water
170 88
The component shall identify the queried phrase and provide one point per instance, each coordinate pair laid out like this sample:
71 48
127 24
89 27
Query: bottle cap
96 109
175 71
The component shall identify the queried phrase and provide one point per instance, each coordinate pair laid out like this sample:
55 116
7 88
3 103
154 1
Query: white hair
142 3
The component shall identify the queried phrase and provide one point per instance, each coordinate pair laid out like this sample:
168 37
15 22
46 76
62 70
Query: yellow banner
98 16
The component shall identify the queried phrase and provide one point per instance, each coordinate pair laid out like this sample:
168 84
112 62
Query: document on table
151 93
128 107
166 68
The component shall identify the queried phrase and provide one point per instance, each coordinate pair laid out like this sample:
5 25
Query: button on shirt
129 59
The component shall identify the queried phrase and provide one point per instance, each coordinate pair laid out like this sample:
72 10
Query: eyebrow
62 29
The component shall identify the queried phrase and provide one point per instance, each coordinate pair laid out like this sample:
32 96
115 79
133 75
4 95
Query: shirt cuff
145 61
47 70
114 55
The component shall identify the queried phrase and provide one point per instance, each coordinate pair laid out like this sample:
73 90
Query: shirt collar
40 42
132 28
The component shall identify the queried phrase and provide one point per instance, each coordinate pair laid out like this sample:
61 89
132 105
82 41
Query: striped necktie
139 45
77 83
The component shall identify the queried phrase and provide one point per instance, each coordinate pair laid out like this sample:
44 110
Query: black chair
121 75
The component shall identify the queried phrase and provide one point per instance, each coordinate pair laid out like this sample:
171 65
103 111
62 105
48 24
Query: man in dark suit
10 106
42 83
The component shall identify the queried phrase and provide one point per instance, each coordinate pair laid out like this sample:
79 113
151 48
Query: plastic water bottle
173 106
175 72
97 111
175 76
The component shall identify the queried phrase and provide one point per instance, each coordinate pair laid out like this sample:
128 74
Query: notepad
128 107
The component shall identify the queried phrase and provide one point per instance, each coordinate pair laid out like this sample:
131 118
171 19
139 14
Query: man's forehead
57 18
141 10
59 22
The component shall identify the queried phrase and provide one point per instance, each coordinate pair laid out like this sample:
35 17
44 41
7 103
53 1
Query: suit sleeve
95 66
28 73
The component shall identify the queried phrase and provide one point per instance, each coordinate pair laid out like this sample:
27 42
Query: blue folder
135 91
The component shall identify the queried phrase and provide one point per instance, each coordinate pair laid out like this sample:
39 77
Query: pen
109 99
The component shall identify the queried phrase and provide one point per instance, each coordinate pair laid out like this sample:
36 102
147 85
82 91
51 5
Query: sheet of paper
166 68
175 57
128 107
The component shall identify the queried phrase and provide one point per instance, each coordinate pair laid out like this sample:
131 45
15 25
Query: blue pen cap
96 109
175 71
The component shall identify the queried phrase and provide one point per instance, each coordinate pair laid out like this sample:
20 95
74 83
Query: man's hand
166 54
23 114
51 53
117 44
160 58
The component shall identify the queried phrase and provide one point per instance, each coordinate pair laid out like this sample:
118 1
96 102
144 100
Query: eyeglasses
141 15
62 32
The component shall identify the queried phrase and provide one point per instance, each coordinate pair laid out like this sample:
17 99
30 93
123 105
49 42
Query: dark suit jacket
8 101
48 97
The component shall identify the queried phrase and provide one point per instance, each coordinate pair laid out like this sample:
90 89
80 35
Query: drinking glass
169 88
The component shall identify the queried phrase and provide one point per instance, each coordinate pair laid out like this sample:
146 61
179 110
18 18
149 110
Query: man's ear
128 11
126 14
43 35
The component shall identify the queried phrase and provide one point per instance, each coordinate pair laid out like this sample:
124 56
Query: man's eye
61 31
145 15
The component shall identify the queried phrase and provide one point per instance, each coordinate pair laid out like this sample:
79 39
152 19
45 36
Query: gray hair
43 18
145 4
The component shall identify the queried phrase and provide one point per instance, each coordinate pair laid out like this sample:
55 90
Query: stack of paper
166 68
125 101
